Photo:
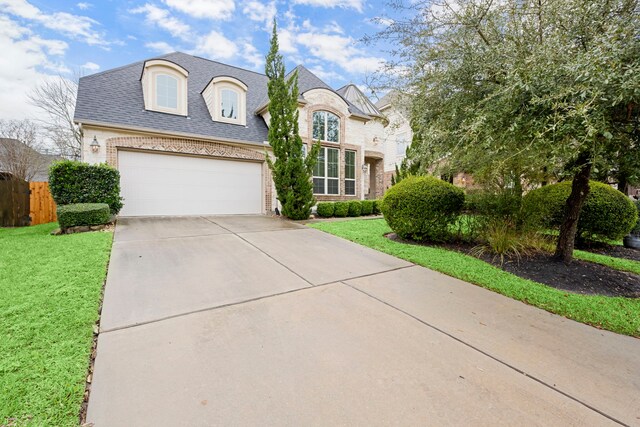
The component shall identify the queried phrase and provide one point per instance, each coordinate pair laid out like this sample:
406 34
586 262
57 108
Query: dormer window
226 99
164 86
326 127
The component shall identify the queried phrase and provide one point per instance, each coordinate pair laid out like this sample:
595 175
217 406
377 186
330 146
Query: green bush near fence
83 214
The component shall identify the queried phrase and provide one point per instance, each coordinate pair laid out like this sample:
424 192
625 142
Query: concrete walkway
258 321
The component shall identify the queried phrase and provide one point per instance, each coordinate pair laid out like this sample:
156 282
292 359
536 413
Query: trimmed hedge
325 209
606 214
76 182
83 214
340 209
376 207
355 208
636 229
422 208
367 207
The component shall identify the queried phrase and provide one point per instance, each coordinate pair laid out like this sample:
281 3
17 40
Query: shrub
355 208
76 182
341 209
325 209
367 207
83 214
606 214
636 229
504 205
376 207
422 208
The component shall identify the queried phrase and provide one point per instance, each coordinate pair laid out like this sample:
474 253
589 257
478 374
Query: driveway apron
253 320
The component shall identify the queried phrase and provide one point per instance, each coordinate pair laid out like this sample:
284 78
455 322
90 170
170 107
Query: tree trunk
579 192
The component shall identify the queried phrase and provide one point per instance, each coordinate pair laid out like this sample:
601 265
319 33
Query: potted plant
632 240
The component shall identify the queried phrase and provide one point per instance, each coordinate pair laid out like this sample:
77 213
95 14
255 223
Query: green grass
50 290
610 261
617 314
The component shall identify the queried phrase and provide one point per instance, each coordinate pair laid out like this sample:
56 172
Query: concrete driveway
258 321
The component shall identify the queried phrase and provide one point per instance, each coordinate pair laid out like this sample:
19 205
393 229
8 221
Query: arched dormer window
164 85
326 127
226 99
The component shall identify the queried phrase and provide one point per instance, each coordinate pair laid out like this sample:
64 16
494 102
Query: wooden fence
42 206
14 203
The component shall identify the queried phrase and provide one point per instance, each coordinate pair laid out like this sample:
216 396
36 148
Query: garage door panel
161 184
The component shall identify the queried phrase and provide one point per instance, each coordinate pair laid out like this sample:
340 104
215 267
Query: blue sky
43 38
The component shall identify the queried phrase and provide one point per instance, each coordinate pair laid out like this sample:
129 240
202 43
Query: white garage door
164 184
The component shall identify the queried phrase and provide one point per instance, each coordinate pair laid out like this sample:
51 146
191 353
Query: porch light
95 146
365 167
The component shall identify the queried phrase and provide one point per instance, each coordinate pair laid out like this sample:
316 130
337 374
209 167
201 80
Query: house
189 136
23 162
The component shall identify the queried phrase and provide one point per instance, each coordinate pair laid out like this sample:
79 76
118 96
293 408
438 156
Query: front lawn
50 290
617 314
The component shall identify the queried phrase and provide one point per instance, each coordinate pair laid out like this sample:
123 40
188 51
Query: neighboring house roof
387 100
115 97
354 95
36 163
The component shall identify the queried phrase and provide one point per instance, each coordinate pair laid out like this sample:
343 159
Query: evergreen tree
291 170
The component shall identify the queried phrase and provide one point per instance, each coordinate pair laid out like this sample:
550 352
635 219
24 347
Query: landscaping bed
50 292
579 277
614 251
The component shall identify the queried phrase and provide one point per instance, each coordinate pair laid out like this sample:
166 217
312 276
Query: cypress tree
291 170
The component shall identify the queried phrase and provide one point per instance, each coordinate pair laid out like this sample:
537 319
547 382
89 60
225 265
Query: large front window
166 91
350 173
326 173
326 126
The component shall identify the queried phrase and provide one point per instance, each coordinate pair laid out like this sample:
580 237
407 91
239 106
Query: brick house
189 136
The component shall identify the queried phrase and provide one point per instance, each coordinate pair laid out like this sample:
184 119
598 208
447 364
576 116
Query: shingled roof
354 95
114 97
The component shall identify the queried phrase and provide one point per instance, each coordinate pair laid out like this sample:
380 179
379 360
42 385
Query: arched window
326 127
166 91
226 99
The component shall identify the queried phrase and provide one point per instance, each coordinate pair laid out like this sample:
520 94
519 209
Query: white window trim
326 125
355 172
154 68
326 176
213 98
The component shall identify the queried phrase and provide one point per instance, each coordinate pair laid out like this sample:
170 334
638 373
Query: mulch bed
579 277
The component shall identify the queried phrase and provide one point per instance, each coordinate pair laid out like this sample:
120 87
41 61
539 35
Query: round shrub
367 207
636 228
606 213
325 209
83 214
355 208
422 208
340 209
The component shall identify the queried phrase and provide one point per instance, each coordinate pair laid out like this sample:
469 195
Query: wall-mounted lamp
365 168
95 146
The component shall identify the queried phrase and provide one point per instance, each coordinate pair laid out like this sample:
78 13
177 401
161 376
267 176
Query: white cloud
286 41
251 55
90 66
160 47
325 75
25 61
75 26
344 4
212 9
216 46
155 15
260 11
83 5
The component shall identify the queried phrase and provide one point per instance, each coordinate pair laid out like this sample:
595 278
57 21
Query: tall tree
56 97
20 149
522 88
291 169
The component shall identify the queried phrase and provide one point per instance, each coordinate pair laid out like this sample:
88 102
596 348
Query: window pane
318 185
333 163
333 186
350 187
350 164
318 169
318 125
401 144
333 128
229 103
166 91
